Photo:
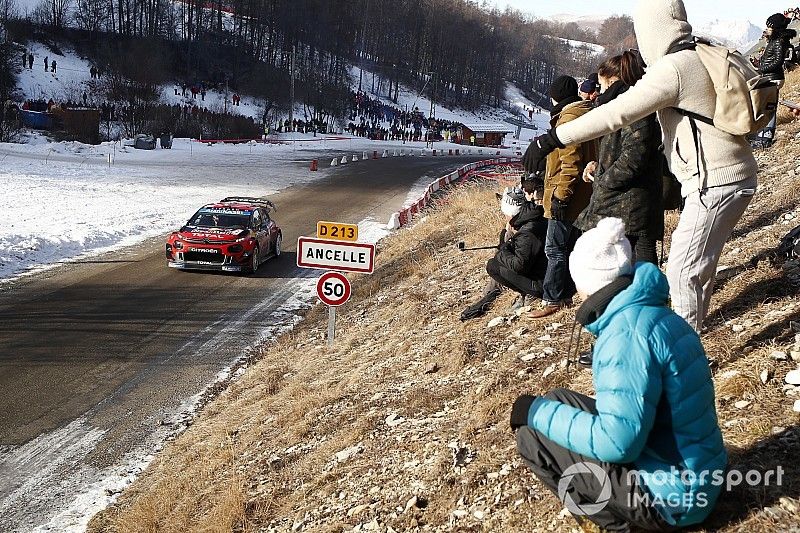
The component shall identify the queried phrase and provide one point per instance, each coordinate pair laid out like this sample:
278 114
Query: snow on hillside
738 34
69 81
73 78
411 99
581 45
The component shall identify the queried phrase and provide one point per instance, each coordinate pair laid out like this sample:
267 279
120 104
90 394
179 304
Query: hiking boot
523 300
585 359
550 308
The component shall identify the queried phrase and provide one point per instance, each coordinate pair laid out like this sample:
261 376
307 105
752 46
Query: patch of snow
65 202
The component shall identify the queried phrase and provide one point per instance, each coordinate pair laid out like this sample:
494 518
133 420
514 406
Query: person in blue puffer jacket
647 452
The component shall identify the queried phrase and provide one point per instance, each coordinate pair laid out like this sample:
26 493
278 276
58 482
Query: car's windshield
220 218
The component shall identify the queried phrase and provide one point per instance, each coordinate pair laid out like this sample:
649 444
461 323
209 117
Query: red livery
233 235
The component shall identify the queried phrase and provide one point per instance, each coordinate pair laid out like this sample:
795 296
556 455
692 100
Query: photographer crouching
520 262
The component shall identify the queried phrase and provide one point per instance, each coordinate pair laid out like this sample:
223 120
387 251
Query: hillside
403 424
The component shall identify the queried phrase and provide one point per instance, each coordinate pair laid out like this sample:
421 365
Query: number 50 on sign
333 289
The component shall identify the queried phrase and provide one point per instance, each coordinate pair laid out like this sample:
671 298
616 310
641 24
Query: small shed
484 134
82 124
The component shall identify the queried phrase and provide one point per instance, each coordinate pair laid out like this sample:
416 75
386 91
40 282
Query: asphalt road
98 358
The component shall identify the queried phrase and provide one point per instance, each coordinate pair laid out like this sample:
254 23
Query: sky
700 11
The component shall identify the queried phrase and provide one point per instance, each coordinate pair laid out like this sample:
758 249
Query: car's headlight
235 248
178 245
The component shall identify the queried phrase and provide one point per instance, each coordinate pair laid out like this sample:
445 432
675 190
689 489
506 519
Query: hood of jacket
530 213
649 289
660 25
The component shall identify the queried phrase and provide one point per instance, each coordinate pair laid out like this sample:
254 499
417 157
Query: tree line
457 52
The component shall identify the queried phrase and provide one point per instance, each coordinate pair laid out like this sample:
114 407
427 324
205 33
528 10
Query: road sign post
337 252
334 290
331 325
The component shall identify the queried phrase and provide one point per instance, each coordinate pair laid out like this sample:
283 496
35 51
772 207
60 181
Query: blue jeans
561 237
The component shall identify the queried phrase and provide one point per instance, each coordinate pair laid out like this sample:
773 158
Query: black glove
539 149
502 238
536 177
558 209
519 413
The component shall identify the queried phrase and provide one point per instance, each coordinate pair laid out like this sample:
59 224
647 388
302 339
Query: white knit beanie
512 201
600 256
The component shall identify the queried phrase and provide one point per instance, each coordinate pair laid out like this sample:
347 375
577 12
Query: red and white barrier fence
405 215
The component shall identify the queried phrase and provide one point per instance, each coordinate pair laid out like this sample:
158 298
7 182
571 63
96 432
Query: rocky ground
403 425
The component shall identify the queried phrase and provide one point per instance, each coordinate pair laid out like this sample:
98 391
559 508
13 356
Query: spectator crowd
376 120
624 147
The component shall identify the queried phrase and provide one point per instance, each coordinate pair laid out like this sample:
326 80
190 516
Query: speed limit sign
333 289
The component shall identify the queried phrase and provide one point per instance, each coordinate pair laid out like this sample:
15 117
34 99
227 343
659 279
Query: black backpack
789 247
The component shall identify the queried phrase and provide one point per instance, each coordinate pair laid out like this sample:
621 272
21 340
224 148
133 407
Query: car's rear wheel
256 260
278 242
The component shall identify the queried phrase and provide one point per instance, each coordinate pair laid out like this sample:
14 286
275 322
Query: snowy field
68 200
63 201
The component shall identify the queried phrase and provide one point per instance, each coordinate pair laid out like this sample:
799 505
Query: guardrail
405 215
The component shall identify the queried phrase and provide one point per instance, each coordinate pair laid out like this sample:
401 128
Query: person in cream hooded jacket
718 180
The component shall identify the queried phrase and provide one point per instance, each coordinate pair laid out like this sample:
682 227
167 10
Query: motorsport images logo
727 479
586 509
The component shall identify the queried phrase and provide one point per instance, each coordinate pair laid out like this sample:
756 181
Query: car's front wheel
278 242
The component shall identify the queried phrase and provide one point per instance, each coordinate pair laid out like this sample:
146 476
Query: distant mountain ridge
738 34
590 22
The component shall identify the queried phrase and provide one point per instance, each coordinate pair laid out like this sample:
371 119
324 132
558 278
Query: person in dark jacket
627 176
520 263
777 48
647 451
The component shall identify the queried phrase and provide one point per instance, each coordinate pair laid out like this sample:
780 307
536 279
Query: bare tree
617 34
92 15
53 13
8 11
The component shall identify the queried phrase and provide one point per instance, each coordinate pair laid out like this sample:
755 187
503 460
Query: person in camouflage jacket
627 176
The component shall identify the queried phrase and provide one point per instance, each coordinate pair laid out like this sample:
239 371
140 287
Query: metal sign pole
331 324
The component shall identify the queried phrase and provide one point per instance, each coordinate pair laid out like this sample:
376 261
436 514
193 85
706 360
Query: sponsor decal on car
224 211
205 250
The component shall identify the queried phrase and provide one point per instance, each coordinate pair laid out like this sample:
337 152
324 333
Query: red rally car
233 235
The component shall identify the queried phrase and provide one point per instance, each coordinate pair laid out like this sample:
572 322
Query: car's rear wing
258 202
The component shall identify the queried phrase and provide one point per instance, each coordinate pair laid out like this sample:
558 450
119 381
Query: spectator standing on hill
649 444
46 64
30 61
627 175
565 196
53 66
717 175
772 63
520 263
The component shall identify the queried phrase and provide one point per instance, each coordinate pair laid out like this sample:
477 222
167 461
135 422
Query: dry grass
411 388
